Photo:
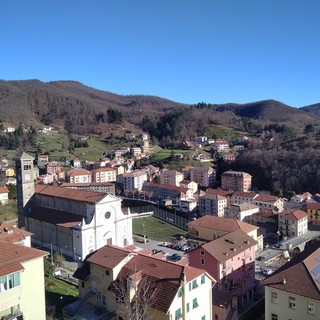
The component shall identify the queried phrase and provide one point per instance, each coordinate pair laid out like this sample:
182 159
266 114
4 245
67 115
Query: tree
135 292
308 129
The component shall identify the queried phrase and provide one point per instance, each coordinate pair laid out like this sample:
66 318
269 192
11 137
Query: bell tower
25 184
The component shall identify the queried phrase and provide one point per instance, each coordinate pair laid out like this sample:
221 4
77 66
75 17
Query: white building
78 175
74 222
132 181
240 211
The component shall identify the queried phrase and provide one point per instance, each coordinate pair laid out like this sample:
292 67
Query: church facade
73 222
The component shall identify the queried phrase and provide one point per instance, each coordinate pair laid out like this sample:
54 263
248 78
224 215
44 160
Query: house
292 291
236 181
240 211
136 152
53 167
299 198
118 279
313 212
204 176
130 136
230 260
78 175
268 202
10 172
221 146
104 174
4 195
230 157
293 223
10 233
171 177
76 163
43 158
209 228
21 282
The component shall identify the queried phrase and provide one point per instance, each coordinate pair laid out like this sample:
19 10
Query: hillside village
238 259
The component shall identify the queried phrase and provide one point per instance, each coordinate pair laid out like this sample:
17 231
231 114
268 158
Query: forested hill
81 109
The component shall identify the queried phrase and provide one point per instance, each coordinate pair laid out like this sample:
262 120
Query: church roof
71 194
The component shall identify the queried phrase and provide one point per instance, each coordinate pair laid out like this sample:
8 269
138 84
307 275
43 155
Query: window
188 307
216 317
10 281
311 307
190 288
203 279
178 314
203 318
292 303
195 303
180 293
274 297
82 284
107 272
202 252
104 300
194 284
202 261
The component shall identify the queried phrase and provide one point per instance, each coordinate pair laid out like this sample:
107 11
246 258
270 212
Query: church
70 221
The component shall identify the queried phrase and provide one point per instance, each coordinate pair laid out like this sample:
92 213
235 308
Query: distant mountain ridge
70 101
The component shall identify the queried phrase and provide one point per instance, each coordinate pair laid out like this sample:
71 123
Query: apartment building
78 175
132 181
268 202
104 174
236 181
293 223
171 177
204 176
212 204
292 291
313 212
230 260
240 212
22 290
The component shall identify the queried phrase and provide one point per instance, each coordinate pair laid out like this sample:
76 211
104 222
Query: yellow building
122 281
22 291
313 212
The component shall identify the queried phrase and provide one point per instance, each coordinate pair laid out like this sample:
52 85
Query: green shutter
188 307
203 279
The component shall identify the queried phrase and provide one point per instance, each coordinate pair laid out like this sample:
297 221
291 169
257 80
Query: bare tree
136 293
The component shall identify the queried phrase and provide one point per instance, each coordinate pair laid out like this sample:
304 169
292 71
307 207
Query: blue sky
215 51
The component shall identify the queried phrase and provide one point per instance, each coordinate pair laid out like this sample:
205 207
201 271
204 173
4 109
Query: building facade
236 181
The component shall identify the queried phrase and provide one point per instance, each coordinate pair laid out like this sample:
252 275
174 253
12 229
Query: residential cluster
230 231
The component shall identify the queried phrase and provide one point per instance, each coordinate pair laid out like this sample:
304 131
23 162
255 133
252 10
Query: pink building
230 260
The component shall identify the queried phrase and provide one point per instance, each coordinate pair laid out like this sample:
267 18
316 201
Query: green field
9 212
155 229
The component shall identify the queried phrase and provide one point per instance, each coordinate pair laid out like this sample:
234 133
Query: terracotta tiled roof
78 172
219 192
236 173
13 255
104 169
165 277
286 279
56 217
223 224
267 213
72 194
249 195
4 189
292 214
11 234
266 198
85 184
230 245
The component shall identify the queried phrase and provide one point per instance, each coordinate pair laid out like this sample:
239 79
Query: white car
266 272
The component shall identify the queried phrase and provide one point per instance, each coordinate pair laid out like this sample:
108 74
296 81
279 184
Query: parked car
266 272
261 258
174 257
185 248
165 244
154 251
